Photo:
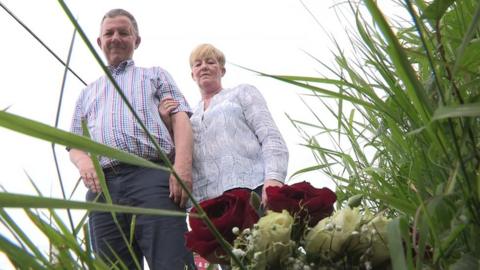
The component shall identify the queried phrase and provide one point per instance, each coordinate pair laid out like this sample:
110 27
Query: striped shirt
236 143
109 120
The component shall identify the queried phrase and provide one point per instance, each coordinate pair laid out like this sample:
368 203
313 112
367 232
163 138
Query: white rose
272 236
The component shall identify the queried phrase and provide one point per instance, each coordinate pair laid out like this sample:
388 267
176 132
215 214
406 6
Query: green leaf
355 200
56 238
467 261
290 80
20 234
255 200
212 266
28 201
403 67
401 204
465 110
478 186
45 132
395 244
312 168
468 57
422 240
19 257
437 8
472 30
442 211
455 232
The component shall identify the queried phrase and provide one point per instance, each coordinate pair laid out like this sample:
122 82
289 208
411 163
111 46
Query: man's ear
137 41
99 42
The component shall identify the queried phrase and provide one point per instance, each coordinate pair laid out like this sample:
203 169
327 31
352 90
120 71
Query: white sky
264 35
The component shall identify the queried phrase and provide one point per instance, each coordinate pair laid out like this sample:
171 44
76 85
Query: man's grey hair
121 12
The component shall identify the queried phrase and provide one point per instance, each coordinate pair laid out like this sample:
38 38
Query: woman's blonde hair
203 51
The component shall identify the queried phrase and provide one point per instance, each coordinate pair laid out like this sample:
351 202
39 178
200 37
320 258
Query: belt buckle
111 168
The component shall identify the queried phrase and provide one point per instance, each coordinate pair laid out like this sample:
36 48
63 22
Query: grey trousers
160 239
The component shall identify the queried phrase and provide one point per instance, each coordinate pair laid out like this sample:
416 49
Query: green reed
407 104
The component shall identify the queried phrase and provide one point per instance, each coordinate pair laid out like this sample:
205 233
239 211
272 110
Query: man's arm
183 139
85 167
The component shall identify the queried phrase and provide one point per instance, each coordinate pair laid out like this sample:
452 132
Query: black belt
109 169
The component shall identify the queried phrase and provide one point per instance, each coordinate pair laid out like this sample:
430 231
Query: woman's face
208 73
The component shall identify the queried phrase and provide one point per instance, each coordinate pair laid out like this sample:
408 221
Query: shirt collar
121 67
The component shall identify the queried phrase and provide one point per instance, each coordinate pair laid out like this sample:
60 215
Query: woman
236 141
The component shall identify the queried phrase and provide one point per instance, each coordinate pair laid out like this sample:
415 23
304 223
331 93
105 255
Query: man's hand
177 194
269 183
85 167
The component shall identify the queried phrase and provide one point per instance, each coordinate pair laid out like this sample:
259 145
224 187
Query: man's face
117 39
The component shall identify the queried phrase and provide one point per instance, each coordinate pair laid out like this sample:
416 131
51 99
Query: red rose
231 209
302 199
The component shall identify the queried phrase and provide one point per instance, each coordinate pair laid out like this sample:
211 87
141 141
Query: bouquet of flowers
299 230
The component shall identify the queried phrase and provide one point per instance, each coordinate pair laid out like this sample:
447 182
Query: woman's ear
223 71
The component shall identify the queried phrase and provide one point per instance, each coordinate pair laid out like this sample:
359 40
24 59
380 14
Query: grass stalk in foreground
407 126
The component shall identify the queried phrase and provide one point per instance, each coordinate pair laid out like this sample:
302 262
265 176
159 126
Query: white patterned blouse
236 143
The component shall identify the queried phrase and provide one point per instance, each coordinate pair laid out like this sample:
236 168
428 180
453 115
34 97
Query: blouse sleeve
259 119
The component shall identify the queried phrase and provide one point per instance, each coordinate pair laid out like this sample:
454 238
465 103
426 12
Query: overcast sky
271 36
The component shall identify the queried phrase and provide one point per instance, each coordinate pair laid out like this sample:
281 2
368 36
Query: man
159 239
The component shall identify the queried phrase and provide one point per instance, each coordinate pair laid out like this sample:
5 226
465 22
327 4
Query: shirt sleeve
78 115
259 119
76 124
168 87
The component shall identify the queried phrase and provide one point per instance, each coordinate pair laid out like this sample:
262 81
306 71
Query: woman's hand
269 183
166 106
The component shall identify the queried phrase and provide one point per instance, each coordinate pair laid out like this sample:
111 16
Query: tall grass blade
395 245
437 9
310 169
58 240
289 79
57 117
397 203
41 42
27 201
467 261
48 133
454 111
22 237
400 60
18 257
472 29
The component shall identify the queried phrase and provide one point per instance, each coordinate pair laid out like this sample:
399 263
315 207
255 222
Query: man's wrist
78 160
